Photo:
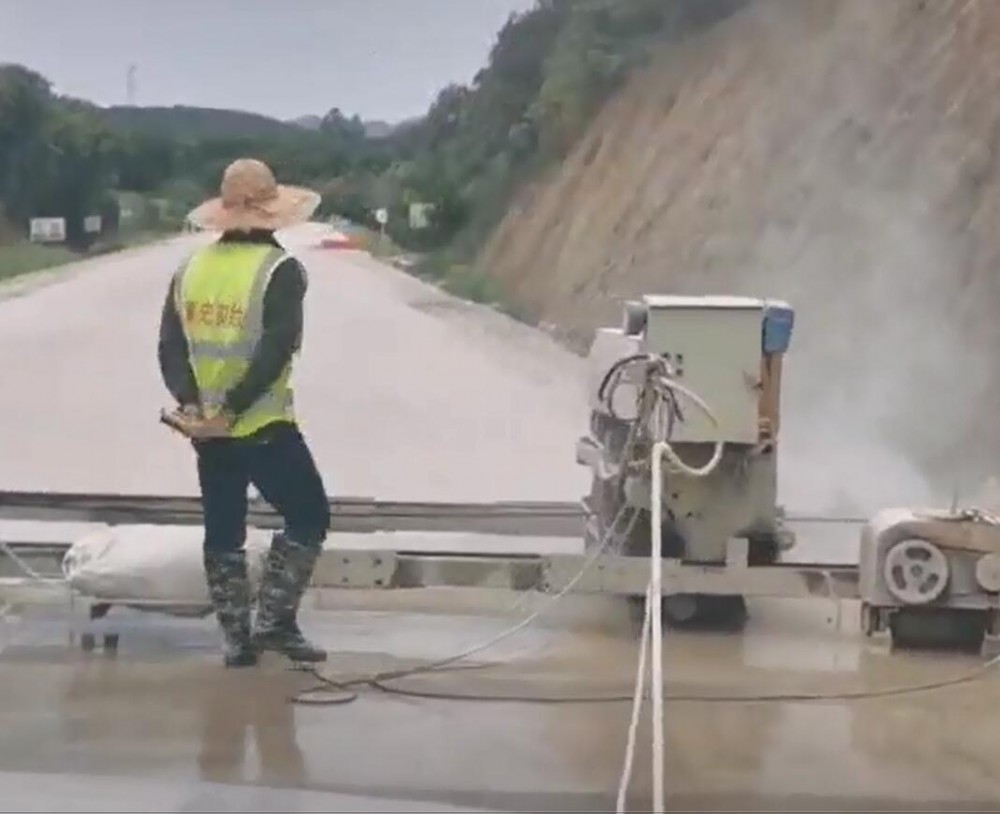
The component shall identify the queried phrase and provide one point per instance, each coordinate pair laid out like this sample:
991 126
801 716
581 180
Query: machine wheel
869 620
915 572
722 613
708 612
703 612
681 611
938 628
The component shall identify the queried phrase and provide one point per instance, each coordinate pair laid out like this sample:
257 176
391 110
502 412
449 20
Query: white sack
159 566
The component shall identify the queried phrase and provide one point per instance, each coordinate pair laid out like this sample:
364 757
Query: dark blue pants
278 462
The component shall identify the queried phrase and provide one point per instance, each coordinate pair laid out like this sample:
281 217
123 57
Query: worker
230 329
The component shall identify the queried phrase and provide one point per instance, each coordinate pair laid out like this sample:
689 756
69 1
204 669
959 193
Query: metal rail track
348 514
367 569
625 576
364 515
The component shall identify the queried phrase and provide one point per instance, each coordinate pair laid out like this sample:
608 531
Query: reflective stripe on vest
219 295
271 403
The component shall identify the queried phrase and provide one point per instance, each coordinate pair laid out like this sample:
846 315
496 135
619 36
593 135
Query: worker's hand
191 423
214 426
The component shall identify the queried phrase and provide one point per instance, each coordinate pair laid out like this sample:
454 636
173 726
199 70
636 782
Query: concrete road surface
404 392
407 394
161 727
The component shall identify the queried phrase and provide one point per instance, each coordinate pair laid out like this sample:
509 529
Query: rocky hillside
841 154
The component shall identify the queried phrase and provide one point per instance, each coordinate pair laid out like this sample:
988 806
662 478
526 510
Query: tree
54 157
549 71
25 154
80 173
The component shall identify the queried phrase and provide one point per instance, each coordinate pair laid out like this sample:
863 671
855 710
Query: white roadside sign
420 215
92 224
382 216
48 230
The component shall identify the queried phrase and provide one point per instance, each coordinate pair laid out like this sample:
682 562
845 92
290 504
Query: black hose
347 692
602 390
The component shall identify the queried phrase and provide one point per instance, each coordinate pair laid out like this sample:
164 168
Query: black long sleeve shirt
282 335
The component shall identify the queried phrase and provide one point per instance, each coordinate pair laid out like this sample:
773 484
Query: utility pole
130 85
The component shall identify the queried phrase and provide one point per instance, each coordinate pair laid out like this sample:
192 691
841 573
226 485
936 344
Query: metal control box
716 346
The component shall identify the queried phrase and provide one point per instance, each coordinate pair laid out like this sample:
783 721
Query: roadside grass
467 283
443 268
21 258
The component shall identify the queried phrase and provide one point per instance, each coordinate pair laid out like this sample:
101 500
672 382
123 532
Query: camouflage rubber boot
229 589
287 572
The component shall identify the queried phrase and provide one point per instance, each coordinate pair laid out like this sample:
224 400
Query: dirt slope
838 153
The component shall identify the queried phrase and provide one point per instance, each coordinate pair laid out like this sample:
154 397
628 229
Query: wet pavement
407 394
161 726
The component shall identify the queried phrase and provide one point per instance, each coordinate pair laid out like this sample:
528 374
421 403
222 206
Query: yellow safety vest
219 296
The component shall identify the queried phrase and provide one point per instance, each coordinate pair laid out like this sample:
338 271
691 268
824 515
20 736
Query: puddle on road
163 708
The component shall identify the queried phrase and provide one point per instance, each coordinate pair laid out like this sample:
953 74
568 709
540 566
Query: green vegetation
194 123
21 258
549 72
142 169
62 157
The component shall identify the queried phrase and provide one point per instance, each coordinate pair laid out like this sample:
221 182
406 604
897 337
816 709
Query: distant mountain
378 129
185 122
373 129
308 122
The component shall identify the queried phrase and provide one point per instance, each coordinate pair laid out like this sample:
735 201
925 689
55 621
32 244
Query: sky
381 59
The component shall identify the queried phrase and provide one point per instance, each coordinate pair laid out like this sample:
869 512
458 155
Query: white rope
633 726
651 644
658 392
655 609
677 465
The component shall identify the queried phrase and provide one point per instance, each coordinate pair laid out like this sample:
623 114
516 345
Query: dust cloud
860 184
880 384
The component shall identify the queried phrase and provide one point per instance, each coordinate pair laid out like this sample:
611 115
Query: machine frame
611 574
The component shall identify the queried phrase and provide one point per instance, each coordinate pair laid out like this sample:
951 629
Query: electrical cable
658 397
852 695
327 684
652 630
659 391
903 690
664 390
612 379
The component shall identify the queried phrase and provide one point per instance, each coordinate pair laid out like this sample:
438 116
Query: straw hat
250 198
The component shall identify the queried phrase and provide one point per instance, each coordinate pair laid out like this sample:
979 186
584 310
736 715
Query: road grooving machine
696 377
